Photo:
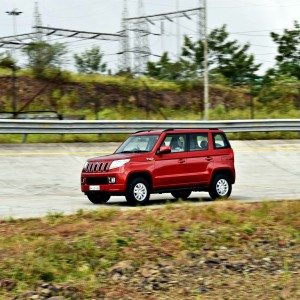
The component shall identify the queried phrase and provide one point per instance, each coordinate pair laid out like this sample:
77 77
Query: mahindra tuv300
176 161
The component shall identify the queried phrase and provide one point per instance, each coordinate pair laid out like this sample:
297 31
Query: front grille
96 180
96 167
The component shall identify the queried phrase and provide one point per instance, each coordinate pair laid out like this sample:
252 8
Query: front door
171 168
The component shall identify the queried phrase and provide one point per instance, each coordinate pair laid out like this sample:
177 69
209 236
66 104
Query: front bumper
101 180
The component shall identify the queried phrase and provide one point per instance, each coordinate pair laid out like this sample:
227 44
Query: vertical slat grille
93 167
103 167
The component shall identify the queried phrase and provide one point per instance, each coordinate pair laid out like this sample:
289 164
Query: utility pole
142 49
203 38
14 13
125 64
178 31
37 22
162 33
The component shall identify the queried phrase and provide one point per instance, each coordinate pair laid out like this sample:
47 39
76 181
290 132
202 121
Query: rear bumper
233 176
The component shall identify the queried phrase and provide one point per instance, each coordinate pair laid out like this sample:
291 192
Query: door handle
209 158
181 161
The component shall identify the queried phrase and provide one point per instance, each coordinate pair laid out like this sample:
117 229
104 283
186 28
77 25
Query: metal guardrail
112 127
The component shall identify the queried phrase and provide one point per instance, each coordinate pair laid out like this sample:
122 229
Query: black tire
138 191
220 187
98 197
181 194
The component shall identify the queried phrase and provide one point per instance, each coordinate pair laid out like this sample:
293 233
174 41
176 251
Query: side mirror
164 150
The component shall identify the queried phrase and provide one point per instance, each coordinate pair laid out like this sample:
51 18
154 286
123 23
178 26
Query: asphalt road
39 179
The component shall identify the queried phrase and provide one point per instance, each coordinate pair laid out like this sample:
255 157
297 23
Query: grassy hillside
102 97
222 251
90 93
121 97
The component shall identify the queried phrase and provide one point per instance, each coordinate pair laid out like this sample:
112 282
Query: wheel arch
225 171
143 174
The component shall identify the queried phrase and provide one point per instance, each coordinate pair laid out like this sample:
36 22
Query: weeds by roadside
178 252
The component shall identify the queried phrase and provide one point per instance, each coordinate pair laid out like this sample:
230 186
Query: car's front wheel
220 187
138 191
98 197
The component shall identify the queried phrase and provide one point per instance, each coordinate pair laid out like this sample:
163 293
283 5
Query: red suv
176 161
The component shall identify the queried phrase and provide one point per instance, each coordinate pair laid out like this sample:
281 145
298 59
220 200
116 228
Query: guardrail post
24 138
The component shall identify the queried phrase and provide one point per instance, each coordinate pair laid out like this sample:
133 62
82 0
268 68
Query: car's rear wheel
181 194
98 197
220 187
138 191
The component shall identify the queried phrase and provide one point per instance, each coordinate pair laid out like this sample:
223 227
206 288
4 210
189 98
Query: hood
114 157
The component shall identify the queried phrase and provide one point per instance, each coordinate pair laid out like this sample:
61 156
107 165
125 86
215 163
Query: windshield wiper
133 151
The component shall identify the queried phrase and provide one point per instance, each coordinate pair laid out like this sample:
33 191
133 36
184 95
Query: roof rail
168 129
145 130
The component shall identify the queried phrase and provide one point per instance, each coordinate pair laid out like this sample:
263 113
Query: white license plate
94 187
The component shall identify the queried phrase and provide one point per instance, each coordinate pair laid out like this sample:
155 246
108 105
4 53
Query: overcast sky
247 20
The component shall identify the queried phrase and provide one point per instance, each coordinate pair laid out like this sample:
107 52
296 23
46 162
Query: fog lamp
111 179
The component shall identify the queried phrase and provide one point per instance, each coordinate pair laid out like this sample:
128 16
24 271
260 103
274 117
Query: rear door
199 159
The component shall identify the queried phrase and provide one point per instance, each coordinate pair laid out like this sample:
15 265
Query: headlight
118 163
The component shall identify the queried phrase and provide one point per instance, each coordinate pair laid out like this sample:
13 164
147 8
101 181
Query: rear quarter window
198 141
220 141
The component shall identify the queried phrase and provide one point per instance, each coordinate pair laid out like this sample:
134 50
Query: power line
264 46
167 16
69 33
247 34
258 5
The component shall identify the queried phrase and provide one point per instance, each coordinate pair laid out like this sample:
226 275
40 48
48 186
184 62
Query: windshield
138 143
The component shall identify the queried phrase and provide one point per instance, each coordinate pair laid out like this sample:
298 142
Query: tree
44 57
6 61
226 57
165 69
90 61
282 93
288 57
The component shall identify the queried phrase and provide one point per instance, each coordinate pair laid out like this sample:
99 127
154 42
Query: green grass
126 83
79 249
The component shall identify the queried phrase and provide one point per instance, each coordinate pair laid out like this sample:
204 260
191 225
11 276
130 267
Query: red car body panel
187 169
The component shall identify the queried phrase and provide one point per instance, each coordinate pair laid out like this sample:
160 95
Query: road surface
39 179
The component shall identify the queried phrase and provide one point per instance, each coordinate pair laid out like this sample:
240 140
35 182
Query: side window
220 141
198 142
176 142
